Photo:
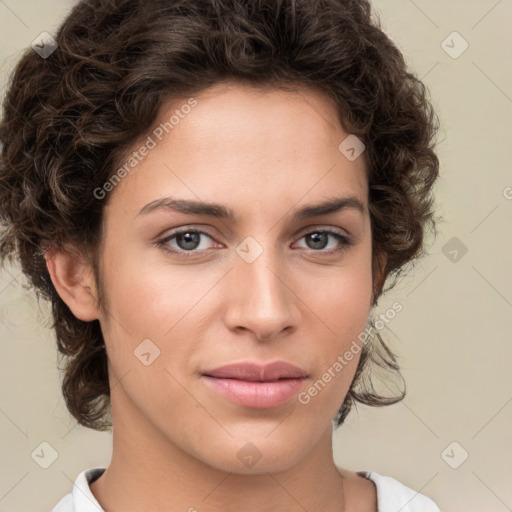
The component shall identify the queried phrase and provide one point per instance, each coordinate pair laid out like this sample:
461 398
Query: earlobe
73 279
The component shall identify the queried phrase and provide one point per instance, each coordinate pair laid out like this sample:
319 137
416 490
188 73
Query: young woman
212 195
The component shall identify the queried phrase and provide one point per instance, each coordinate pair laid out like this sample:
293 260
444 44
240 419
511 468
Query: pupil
191 240
316 237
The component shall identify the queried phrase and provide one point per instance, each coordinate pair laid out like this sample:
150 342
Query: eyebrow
188 207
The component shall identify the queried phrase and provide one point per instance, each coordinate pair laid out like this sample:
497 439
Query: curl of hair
69 119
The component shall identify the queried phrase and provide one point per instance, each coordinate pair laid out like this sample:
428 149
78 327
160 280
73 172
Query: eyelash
345 242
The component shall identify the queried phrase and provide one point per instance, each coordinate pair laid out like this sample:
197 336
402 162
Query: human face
259 287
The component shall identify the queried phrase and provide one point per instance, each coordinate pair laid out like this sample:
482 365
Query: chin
260 455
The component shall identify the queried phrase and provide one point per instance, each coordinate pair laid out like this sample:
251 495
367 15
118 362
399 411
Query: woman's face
263 286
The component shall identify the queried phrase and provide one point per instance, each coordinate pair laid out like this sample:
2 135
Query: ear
74 281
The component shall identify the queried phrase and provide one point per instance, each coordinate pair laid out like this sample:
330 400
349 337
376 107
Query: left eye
189 240
319 239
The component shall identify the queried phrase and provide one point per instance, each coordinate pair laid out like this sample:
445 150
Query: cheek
343 307
150 299
146 326
343 301
158 311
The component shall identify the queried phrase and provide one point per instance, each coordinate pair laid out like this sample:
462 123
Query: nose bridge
263 302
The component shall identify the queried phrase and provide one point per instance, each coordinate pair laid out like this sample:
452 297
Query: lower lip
258 395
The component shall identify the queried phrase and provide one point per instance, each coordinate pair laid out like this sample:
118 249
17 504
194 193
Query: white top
392 496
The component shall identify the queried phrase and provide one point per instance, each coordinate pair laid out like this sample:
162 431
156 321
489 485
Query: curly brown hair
70 118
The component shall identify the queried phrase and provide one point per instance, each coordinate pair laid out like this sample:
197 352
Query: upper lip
252 371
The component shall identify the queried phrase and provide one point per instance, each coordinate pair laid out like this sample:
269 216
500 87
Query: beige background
453 333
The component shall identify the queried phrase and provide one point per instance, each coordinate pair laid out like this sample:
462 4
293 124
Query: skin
264 154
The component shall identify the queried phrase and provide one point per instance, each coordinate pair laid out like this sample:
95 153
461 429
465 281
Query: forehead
258 119
243 144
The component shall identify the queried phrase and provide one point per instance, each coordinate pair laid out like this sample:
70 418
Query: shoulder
65 504
393 496
81 499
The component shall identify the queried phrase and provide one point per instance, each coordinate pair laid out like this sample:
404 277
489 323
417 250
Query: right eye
184 241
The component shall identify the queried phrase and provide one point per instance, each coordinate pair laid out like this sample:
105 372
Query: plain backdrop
451 438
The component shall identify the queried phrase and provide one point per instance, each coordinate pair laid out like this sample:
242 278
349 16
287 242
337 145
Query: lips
255 385
255 372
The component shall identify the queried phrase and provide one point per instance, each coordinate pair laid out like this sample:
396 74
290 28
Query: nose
260 298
